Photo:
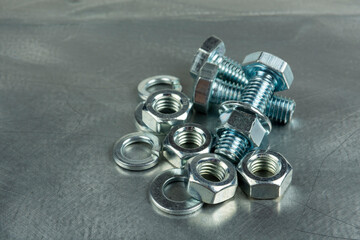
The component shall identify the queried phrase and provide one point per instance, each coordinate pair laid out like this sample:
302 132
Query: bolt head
245 123
212 46
280 69
203 87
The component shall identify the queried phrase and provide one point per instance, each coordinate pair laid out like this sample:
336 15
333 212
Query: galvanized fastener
242 128
144 85
264 174
213 50
186 141
212 179
209 89
164 203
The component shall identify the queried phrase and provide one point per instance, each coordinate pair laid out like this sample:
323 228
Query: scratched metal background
68 77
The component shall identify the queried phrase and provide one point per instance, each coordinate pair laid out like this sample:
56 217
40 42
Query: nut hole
190 138
167 105
265 166
213 171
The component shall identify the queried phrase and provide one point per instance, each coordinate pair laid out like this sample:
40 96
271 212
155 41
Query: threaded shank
230 70
258 92
224 91
280 109
232 145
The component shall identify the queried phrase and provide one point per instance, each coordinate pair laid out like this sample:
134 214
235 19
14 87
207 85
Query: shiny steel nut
245 122
211 47
212 179
164 109
203 86
268 62
264 174
186 141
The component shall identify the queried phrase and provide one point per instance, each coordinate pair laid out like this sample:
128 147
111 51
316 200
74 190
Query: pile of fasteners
213 166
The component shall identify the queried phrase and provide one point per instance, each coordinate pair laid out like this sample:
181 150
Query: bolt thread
280 109
232 145
223 91
230 70
258 91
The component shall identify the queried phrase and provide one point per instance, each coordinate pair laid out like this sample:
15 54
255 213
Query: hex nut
212 179
203 87
264 174
186 141
165 109
245 122
266 61
211 46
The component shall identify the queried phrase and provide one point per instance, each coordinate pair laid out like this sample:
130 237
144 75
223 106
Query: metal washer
144 85
159 199
136 164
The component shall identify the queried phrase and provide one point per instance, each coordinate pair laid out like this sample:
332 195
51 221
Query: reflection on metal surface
287 203
215 215
152 172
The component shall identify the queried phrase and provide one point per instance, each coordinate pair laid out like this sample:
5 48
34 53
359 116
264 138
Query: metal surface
186 141
69 72
264 174
166 204
212 178
148 83
131 162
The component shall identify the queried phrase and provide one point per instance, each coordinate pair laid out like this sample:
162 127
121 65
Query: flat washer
136 164
159 199
144 85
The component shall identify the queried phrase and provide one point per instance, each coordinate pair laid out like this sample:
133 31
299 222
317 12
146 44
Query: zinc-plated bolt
267 73
242 128
212 50
210 89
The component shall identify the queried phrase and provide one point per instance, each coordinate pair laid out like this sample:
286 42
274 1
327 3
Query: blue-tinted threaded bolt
258 91
229 69
280 109
224 91
232 145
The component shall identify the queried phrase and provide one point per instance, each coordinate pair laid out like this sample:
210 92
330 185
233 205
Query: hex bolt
242 128
209 89
244 122
212 50
267 74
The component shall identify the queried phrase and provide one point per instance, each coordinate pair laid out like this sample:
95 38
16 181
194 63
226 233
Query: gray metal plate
68 88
